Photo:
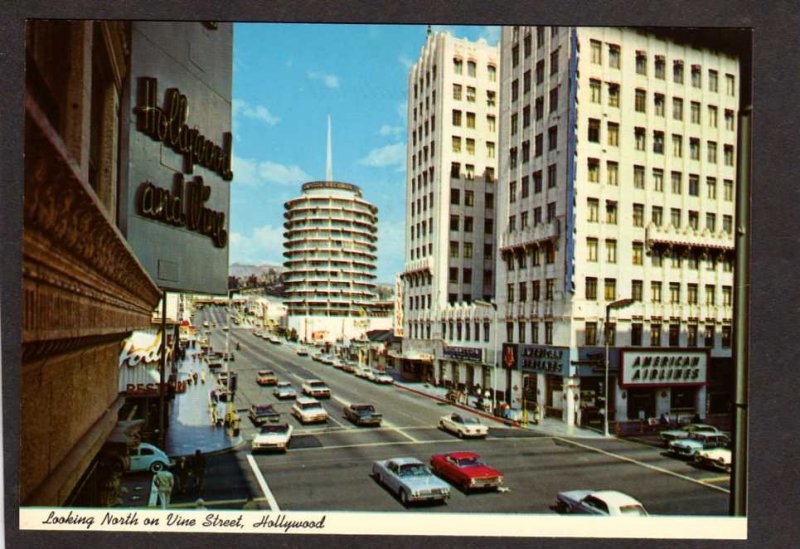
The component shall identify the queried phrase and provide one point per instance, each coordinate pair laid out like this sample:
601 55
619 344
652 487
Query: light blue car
410 479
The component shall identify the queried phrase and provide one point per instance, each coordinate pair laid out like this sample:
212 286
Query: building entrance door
641 404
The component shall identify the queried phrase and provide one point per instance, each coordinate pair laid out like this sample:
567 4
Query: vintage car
382 377
363 414
266 377
147 457
274 340
272 437
695 442
316 388
463 425
260 414
309 410
683 432
284 390
317 357
301 351
410 479
603 502
346 365
717 458
363 371
466 470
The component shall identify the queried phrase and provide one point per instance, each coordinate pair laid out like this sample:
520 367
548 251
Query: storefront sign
142 348
544 359
169 126
663 368
151 389
463 353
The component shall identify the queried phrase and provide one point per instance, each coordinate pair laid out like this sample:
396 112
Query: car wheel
156 466
404 497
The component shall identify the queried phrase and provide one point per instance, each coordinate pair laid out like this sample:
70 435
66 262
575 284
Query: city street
327 466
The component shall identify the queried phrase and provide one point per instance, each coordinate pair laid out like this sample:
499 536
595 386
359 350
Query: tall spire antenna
329 168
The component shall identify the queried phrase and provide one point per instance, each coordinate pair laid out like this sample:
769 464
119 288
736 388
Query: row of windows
538 110
552 144
546 253
422 155
469 199
491 120
552 181
424 81
660 67
471 94
656 335
637 288
640 141
472 69
422 251
538 74
657 216
421 181
527 43
466 276
470 146
428 126
453 330
467 225
676 183
421 205
468 172
537 217
417 302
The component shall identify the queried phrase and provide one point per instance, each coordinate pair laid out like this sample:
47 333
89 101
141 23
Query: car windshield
469 420
310 405
318 384
469 462
364 408
413 470
264 409
274 429
635 510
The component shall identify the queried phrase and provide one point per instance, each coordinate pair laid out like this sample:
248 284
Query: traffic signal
233 383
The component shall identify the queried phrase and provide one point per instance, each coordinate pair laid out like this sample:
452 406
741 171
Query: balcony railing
688 237
416 265
530 236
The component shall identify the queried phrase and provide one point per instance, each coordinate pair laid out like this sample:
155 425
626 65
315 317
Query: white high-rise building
616 181
450 197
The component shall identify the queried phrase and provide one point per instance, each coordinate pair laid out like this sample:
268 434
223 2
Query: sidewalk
546 426
190 426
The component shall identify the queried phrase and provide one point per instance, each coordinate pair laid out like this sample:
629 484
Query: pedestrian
250 504
203 376
164 482
182 474
199 470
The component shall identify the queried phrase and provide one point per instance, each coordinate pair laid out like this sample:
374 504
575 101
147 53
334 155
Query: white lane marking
273 504
372 444
645 465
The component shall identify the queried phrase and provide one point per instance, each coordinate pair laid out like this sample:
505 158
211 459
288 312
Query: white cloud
390 155
406 62
257 112
330 80
254 173
490 34
263 245
386 129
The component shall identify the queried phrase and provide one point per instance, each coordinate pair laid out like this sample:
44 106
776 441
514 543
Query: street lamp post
496 361
618 304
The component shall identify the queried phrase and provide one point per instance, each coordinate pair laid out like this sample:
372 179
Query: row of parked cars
703 443
359 370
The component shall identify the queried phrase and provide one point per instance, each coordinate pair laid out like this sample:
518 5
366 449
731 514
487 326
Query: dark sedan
363 414
260 414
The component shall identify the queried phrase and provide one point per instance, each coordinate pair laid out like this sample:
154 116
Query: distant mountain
240 270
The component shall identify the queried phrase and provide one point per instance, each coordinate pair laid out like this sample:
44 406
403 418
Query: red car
466 470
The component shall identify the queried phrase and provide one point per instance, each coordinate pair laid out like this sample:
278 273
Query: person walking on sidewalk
164 482
199 469
182 473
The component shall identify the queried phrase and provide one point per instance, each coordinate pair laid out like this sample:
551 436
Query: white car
719 458
147 457
309 410
363 371
603 502
272 437
382 378
283 390
316 388
463 425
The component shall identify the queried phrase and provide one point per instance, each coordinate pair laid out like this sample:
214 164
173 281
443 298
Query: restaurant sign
544 359
463 353
658 368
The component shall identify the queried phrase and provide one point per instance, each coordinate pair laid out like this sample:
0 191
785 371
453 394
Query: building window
551 211
548 332
674 292
708 336
694 148
711 187
691 294
613 134
458 65
593 170
591 250
711 294
674 335
471 146
521 331
636 290
471 120
677 145
456 144
611 250
640 101
636 335
454 223
491 123
711 222
641 63
694 185
552 138
453 248
727 224
595 87
455 197
489 201
593 205
655 335
712 116
694 112
591 288
691 335
469 198
596 48
468 224
613 95
549 288
655 292
725 337
729 155
658 142
727 189
677 72
515 90
590 332
658 104
540 72
492 72
455 169
638 253
525 187
713 80
471 68
730 124
611 212
660 67
554 99
554 63
470 94
468 249
638 215
676 182
640 140
638 177
657 215
677 108
610 289
594 130
453 275
612 173
613 56
730 84
696 76
457 92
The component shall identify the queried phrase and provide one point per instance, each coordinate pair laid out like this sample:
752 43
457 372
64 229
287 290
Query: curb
463 407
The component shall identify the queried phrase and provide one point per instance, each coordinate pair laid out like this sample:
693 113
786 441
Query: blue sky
287 78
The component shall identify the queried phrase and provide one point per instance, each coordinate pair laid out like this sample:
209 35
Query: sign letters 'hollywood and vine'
168 125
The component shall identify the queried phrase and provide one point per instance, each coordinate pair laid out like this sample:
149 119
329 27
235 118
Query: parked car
695 442
410 479
266 377
383 378
603 502
362 371
302 351
463 425
274 340
717 458
316 388
346 365
147 457
683 432
363 414
309 410
260 414
284 390
466 470
317 357
272 437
